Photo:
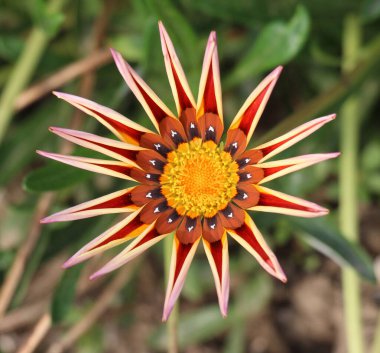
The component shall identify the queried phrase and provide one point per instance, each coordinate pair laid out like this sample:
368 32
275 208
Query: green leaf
370 10
65 294
323 237
277 44
54 176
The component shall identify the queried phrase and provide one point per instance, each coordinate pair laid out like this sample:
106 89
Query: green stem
348 193
23 70
172 323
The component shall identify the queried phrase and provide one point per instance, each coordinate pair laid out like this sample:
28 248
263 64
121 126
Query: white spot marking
148 176
211 129
245 196
247 160
152 162
235 144
149 195
156 210
170 220
192 126
173 133
212 226
230 215
190 228
157 145
249 176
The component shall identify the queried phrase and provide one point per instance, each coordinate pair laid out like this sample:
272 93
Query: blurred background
331 53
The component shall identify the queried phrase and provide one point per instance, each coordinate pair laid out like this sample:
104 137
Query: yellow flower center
199 179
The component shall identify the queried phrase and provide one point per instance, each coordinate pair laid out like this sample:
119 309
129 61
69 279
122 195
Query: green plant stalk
23 70
172 323
348 193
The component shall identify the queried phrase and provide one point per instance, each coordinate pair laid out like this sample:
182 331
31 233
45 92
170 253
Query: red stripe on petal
124 200
246 233
217 253
149 236
182 252
184 100
267 150
158 113
274 201
123 129
123 232
116 168
210 105
249 115
273 170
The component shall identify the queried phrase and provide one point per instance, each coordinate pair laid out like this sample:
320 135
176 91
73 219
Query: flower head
191 183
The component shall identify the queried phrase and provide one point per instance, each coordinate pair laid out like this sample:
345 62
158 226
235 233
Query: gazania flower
191 183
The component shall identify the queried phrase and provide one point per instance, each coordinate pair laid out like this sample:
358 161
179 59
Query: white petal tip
277 71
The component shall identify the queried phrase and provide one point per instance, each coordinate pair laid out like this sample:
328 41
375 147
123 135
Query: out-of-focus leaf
129 46
371 156
10 46
46 18
330 242
65 293
370 10
277 43
54 176
180 30
205 324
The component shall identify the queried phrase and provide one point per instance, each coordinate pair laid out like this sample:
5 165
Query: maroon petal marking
236 142
189 121
153 210
189 230
168 221
249 157
150 161
172 132
232 216
250 175
142 194
210 127
247 196
156 143
212 229
145 177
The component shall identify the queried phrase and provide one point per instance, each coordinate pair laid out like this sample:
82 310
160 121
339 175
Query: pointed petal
276 169
182 255
172 132
119 150
250 175
217 255
150 161
210 91
250 113
113 168
117 202
210 127
232 216
121 232
189 121
252 240
177 78
144 241
278 202
124 128
142 194
283 142
153 106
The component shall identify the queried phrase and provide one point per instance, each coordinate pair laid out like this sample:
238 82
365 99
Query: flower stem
172 322
23 70
348 193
